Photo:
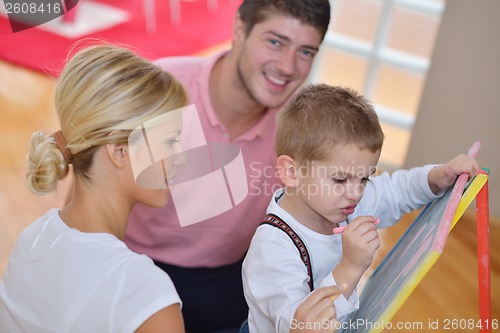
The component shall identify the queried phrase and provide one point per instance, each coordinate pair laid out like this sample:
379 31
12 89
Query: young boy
328 144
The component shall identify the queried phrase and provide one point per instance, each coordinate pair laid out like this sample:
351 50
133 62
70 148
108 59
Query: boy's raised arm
444 176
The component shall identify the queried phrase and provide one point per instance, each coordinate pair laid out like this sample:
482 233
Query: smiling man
237 94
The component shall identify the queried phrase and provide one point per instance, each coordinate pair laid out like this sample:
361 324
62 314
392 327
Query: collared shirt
275 279
222 239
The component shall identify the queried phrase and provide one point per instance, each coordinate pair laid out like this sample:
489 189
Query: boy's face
275 58
332 188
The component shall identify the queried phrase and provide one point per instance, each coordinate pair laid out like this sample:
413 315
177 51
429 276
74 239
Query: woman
70 270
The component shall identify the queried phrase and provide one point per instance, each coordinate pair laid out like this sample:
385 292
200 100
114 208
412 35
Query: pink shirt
225 238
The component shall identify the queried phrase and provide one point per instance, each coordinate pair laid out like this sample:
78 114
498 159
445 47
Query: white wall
461 99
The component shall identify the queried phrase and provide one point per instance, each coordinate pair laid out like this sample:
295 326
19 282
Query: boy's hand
444 176
359 242
317 309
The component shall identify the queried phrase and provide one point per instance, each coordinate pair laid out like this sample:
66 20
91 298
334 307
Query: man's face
275 58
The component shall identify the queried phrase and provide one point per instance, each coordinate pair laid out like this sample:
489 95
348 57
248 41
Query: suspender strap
277 222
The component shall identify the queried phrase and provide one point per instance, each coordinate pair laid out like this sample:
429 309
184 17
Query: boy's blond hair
320 117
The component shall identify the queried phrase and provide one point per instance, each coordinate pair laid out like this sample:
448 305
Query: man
237 94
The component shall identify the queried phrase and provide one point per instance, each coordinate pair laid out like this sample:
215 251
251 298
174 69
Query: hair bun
46 164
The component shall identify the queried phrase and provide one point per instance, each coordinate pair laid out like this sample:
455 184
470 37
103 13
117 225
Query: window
382 48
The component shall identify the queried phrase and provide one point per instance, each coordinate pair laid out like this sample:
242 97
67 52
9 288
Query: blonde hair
103 93
320 117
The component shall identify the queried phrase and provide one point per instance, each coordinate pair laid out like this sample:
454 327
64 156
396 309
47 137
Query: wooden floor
448 292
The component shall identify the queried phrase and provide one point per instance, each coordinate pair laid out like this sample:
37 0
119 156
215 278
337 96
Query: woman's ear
287 170
118 154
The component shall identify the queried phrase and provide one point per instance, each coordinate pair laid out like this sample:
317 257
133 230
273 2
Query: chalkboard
411 258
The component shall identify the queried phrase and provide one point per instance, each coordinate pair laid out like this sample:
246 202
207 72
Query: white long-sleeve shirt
275 279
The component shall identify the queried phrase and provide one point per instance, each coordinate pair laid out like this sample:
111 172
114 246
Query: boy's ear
287 170
118 154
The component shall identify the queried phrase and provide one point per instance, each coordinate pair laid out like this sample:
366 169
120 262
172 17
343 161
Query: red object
483 258
69 16
198 30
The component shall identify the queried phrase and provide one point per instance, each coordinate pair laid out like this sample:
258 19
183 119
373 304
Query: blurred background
430 67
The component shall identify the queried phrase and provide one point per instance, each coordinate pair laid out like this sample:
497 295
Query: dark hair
313 12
